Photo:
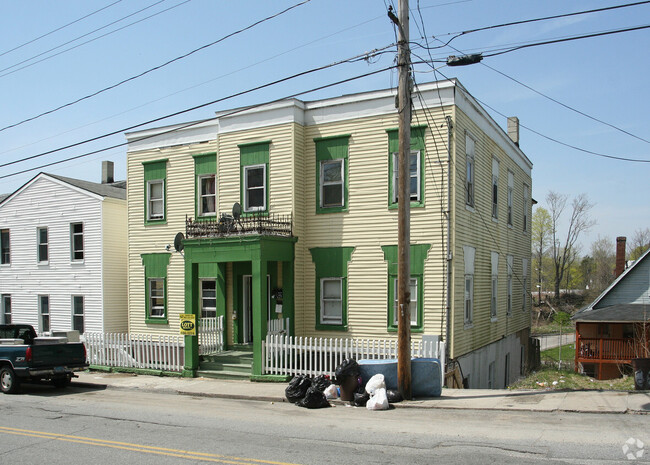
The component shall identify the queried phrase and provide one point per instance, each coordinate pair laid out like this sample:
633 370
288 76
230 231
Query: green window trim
329 149
332 262
418 256
155 267
252 155
205 165
154 172
417 145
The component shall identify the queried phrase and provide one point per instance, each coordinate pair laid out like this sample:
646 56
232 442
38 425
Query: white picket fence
135 351
211 335
311 356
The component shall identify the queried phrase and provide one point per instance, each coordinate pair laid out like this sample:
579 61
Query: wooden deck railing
610 349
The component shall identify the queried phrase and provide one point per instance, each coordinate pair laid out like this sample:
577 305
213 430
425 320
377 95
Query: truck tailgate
55 355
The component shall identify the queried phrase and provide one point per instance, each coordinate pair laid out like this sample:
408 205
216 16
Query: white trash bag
374 383
378 401
331 392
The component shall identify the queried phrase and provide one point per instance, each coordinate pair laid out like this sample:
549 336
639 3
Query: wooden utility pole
404 205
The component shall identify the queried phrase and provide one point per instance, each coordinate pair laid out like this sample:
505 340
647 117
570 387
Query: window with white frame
78 315
511 188
469 253
495 188
42 248
207 195
6 309
43 313
76 242
414 176
413 283
510 261
156 298
526 206
156 199
332 183
495 285
208 298
5 248
331 301
470 146
254 188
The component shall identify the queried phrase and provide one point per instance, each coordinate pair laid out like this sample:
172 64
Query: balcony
228 225
611 350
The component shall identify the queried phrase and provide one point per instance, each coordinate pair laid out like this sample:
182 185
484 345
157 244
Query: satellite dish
178 242
236 211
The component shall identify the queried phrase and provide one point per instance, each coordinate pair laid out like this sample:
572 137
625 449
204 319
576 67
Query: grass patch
551 327
565 353
549 378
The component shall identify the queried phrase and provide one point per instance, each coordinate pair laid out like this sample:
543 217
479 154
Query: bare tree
541 237
579 222
640 243
604 261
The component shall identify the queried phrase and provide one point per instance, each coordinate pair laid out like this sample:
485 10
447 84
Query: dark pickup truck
26 357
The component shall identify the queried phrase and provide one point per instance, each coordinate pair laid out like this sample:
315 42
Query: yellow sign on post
188 324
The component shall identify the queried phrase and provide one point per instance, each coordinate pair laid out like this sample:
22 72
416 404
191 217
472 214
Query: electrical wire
155 68
58 29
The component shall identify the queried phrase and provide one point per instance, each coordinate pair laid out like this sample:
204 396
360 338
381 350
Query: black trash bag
393 396
297 388
313 399
360 399
348 368
321 382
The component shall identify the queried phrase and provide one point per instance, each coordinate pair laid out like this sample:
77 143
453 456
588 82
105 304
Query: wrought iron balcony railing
228 225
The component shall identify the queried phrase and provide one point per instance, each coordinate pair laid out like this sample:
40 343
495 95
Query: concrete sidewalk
471 399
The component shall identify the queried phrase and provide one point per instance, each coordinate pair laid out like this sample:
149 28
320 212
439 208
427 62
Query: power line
238 94
155 68
59 28
315 89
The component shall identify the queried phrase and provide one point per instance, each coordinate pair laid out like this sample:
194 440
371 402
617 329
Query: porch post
221 298
259 272
191 301
288 310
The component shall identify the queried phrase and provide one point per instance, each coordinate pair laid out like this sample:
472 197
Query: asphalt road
82 426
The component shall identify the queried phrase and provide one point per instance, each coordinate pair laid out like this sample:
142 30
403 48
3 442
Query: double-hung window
524 290
208 298
5 248
76 242
510 263
470 147
469 254
495 188
526 206
156 291
415 161
78 313
413 283
205 172
511 188
254 161
44 313
155 175
331 295
332 174
155 275
6 309
495 286
42 249
331 286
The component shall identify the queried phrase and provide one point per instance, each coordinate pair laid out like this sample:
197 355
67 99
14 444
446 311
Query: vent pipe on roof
107 172
513 129
620 256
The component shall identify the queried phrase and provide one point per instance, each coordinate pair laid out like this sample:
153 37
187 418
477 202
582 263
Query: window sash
76 241
524 294
207 195
413 283
208 298
526 207
157 298
495 197
510 191
42 244
78 313
331 301
494 301
44 312
414 176
254 188
469 298
156 199
332 182
5 247
509 294
6 309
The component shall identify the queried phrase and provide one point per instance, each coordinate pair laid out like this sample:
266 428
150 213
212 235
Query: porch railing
611 349
211 335
227 225
278 326
164 353
289 355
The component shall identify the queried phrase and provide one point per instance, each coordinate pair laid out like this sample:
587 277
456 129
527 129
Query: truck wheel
8 381
61 382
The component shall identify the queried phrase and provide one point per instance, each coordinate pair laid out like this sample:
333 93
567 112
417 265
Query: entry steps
235 363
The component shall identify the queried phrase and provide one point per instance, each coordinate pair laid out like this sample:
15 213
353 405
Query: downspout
449 253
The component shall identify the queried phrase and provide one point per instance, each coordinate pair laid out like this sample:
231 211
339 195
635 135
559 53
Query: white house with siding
63 254
328 167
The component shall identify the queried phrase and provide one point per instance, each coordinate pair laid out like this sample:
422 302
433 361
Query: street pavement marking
186 454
